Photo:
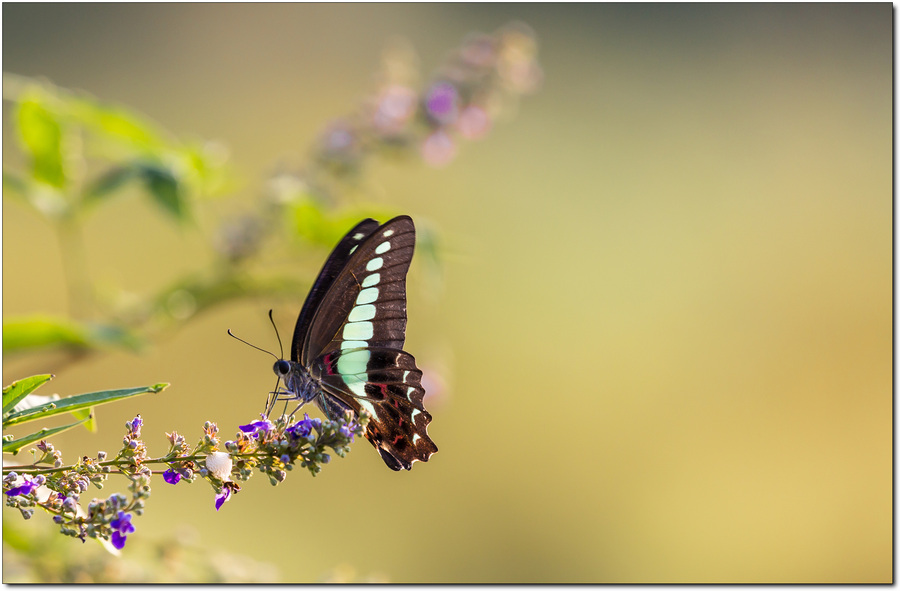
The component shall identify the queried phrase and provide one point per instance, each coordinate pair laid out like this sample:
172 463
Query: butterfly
347 350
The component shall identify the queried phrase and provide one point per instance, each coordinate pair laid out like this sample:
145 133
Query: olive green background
664 322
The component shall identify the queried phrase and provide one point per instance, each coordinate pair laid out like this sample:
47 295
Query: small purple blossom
223 496
26 487
256 427
171 476
121 526
70 505
136 426
441 102
347 430
301 428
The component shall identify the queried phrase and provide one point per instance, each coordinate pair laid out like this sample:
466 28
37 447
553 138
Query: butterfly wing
387 384
354 341
365 303
333 266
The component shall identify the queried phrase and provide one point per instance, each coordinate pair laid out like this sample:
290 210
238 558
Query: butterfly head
281 368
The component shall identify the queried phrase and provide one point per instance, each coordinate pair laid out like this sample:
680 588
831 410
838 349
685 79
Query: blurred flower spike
478 83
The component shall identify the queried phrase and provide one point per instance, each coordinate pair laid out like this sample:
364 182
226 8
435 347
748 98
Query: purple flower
70 505
26 487
121 526
222 497
171 476
347 431
301 428
136 426
441 102
255 427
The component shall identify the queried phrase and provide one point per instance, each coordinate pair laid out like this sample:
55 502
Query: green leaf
39 331
124 126
19 389
79 402
15 445
41 135
88 415
109 182
166 190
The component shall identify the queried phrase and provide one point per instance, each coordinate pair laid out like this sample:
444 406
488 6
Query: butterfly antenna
254 346
278 336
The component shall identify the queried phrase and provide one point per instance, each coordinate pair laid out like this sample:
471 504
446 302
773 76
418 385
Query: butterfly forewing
366 303
330 270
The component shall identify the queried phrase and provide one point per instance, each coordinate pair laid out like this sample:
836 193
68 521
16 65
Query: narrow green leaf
79 402
41 135
19 389
15 445
116 124
39 331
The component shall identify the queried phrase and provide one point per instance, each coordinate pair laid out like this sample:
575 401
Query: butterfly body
297 380
347 350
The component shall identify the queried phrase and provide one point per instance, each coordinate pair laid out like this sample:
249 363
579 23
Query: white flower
219 465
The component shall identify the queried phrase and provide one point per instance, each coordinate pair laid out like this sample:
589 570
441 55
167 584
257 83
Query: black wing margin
335 263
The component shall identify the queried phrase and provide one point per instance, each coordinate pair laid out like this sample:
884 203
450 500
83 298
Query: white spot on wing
367 296
375 264
352 363
359 236
371 280
383 248
388 233
358 331
364 312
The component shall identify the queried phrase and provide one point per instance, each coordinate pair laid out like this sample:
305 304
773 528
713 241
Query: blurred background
658 332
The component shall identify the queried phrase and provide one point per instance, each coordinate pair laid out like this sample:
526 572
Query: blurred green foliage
80 154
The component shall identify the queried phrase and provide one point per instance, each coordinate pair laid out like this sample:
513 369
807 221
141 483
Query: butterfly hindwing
386 384
337 260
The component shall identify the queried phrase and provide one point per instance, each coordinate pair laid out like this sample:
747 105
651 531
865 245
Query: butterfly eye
282 368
